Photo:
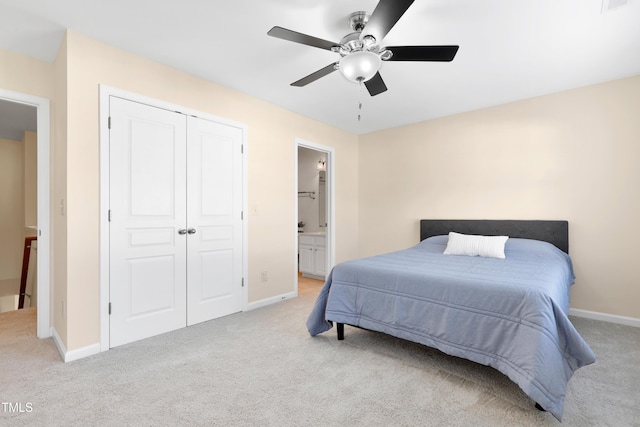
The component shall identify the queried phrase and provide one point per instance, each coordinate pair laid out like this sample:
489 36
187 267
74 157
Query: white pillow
471 245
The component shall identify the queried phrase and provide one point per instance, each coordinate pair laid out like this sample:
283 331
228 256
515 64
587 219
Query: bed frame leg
340 328
540 408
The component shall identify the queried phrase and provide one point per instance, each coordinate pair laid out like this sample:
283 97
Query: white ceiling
509 50
16 118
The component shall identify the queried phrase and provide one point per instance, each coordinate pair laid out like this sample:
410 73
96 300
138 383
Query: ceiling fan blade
375 85
384 17
315 76
423 53
294 36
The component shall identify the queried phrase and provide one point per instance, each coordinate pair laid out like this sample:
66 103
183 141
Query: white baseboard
70 356
268 301
58 342
612 318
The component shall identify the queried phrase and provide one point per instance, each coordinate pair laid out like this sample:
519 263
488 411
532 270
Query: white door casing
214 217
147 214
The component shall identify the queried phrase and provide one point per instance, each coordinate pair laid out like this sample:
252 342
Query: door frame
330 259
43 123
105 93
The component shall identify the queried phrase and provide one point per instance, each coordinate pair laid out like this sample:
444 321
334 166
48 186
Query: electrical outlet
264 276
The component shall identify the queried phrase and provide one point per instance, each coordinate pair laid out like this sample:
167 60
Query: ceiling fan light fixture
362 51
360 67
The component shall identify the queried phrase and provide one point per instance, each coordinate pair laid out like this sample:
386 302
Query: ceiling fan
361 51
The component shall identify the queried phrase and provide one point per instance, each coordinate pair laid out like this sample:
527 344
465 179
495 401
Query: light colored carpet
261 368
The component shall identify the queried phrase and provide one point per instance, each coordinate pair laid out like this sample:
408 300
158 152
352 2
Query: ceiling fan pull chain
360 102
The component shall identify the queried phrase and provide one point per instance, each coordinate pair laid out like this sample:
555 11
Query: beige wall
17 201
572 155
23 74
271 173
58 176
11 208
30 141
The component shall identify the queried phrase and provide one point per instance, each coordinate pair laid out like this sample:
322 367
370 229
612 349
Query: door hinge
241 148
243 282
109 123
241 215
109 216
109 308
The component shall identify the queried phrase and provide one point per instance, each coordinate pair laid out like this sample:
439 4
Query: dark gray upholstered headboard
554 232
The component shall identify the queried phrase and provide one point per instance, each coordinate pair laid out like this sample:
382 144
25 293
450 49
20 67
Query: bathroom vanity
312 248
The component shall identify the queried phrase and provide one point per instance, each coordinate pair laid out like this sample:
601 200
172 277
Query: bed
510 314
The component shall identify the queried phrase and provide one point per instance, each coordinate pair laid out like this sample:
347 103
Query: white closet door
147 208
214 208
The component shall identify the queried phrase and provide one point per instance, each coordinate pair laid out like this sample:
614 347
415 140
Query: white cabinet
319 256
312 250
306 257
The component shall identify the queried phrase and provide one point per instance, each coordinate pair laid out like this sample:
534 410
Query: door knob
191 231
182 231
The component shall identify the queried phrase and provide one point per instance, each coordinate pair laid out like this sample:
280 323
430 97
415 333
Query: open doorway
18 201
315 238
29 188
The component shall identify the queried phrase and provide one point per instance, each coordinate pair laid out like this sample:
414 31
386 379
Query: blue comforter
510 313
